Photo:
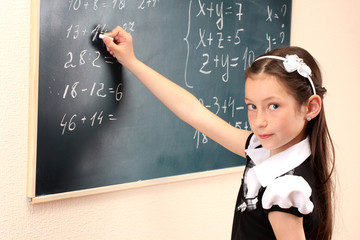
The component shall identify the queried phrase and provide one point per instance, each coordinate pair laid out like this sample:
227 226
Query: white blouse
285 191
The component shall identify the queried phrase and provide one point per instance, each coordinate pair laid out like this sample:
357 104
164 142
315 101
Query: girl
286 187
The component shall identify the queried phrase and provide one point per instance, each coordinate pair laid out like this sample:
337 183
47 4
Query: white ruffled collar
268 168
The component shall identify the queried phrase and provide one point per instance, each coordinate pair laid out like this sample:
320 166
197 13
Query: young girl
286 189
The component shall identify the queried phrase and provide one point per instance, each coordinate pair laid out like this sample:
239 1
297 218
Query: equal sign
111 61
228 12
111 90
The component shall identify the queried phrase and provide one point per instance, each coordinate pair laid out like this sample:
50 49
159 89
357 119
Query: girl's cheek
251 120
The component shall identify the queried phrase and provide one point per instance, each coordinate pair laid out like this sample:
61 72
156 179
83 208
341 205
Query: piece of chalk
102 36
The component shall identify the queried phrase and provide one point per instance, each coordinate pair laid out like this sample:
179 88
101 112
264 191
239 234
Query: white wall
196 209
330 30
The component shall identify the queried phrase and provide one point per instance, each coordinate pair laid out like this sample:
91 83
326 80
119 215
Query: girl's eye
273 106
251 106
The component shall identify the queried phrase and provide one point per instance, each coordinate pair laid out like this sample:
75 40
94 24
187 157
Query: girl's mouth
264 136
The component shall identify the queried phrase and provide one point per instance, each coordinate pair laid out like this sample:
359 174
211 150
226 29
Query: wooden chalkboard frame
34 75
33 130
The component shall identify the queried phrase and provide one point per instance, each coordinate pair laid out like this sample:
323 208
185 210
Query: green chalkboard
98 126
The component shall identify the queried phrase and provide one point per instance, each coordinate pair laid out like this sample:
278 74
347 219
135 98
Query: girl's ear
313 107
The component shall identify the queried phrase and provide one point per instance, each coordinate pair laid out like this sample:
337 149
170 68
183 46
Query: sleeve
290 194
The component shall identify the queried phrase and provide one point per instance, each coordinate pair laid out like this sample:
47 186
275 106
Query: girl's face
275 117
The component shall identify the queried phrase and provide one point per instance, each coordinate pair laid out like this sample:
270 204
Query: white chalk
102 36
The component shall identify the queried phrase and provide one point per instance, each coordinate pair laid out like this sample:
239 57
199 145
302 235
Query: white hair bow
293 63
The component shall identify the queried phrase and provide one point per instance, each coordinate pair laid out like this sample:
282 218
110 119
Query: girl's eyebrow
271 98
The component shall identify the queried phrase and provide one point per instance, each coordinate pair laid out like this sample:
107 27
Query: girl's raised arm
181 102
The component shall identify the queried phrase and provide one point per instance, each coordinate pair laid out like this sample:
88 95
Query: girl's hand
122 46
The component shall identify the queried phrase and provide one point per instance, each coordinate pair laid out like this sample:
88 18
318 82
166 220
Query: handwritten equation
70 123
95 5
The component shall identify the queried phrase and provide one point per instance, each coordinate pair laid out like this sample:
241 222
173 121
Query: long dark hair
322 148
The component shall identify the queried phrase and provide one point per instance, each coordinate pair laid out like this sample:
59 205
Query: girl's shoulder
286 178
289 193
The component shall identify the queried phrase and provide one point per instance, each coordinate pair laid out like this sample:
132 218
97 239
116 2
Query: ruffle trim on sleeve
289 191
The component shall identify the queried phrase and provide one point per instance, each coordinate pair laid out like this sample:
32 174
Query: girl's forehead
263 86
264 81
261 76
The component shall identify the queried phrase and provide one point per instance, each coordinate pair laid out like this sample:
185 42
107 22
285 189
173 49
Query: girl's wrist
131 63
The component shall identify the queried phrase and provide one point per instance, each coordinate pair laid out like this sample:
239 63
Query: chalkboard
94 125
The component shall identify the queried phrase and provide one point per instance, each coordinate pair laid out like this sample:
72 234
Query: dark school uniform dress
283 182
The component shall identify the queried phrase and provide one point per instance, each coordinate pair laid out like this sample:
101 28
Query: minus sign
239 108
111 117
84 90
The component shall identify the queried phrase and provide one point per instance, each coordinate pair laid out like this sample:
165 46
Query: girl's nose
260 120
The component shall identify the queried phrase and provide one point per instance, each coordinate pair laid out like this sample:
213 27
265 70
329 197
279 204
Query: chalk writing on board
222 41
222 49
97 89
114 4
207 39
214 12
69 123
148 3
273 16
221 106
